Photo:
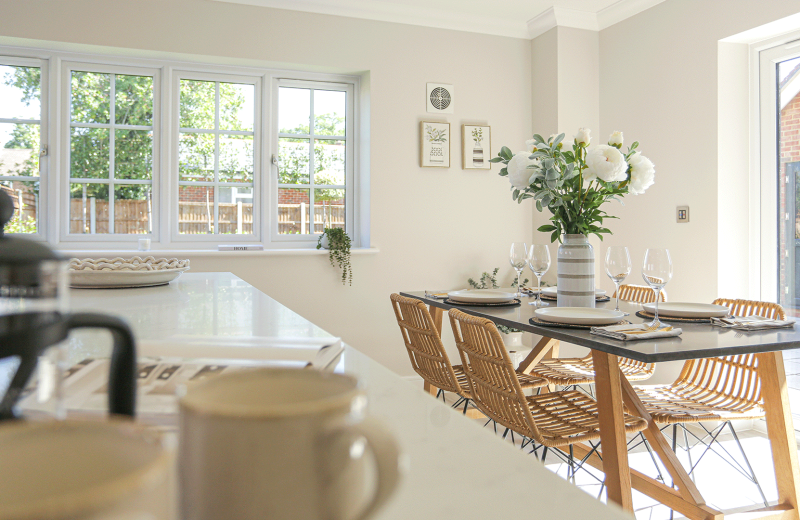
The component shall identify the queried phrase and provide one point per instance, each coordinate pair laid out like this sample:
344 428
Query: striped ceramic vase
575 272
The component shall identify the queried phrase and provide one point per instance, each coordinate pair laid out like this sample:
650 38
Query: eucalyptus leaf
503 172
496 159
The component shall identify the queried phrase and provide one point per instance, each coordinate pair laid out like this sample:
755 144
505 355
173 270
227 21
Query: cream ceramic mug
281 444
80 470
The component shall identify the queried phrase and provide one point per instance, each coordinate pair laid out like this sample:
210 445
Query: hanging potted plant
573 185
336 241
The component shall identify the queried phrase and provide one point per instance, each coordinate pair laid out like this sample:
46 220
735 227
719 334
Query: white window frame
67 67
351 146
42 216
56 67
764 191
258 167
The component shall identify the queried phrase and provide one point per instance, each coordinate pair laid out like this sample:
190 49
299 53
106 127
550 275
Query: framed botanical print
476 146
435 144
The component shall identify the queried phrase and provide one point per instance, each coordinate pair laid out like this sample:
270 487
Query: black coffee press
33 317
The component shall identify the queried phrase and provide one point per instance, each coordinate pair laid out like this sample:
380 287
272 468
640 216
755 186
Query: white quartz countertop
455 468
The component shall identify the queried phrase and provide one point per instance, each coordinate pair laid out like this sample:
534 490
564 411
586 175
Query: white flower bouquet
573 185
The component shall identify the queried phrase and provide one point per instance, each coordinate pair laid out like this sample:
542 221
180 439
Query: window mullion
216 158
311 166
112 134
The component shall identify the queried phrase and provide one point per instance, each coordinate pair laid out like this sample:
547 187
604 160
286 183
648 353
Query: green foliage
338 250
559 187
20 225
294 158
477 135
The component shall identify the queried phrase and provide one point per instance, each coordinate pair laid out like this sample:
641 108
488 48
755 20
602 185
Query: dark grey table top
696 341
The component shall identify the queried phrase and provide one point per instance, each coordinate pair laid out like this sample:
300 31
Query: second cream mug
281 444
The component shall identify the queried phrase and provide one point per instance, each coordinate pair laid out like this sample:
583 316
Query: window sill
84 253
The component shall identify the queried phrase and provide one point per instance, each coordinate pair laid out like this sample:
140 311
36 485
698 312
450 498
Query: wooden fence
195 218
292 218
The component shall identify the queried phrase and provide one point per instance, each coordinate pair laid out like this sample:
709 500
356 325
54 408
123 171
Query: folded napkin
635 332
751 323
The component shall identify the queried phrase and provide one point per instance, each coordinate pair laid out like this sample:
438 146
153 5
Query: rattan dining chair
714 389
554 420
568 372
428 356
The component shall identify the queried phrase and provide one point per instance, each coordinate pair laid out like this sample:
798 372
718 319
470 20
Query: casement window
315 158
190 156
112 136
218 142
22 102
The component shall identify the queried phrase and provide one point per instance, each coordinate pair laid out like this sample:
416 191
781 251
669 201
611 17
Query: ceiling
514 18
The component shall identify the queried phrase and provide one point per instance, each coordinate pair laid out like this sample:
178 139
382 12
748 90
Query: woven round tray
512 303
541 323
661 317
597 300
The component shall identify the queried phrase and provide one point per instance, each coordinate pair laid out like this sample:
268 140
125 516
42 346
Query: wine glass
539 262
518 257
657 272
618 266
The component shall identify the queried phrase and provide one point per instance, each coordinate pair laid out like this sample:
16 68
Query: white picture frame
434 144
476 147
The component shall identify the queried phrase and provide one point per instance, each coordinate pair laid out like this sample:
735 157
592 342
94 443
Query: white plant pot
324 243
575 272
512 340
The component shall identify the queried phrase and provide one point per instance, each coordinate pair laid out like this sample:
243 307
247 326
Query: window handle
43 151
275 160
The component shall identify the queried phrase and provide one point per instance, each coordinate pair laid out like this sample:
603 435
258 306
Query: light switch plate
682 214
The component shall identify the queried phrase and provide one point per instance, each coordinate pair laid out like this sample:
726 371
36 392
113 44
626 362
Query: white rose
615 139
531 144
518 172
583 136
607 163
643 173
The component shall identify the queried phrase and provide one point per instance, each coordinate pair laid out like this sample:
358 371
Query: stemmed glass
539 262
518 257
657 272
618 266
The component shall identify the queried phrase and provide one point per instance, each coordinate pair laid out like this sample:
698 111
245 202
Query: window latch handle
275 159
43 151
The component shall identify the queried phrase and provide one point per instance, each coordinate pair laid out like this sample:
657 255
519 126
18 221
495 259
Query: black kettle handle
122 373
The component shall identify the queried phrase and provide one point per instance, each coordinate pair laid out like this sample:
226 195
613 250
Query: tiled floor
722 486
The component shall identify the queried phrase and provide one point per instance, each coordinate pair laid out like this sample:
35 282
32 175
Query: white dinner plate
687 310
553 291
580 315
481 296
94 279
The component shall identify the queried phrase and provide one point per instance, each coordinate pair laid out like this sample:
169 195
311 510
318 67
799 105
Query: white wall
434 227
658 84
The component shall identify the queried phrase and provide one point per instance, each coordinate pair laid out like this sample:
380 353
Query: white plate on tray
553 292
687 310
96 279
580 315
481 296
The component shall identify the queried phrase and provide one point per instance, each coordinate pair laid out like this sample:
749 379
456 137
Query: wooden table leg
780 429
539 352
436 314
613 443
430 388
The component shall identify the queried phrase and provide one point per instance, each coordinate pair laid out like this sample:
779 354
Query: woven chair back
494 384
638 294
423 343
730 382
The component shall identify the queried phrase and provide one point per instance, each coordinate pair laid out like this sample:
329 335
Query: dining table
615 395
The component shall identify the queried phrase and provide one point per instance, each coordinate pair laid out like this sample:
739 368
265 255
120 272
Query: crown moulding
463 21
558 16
